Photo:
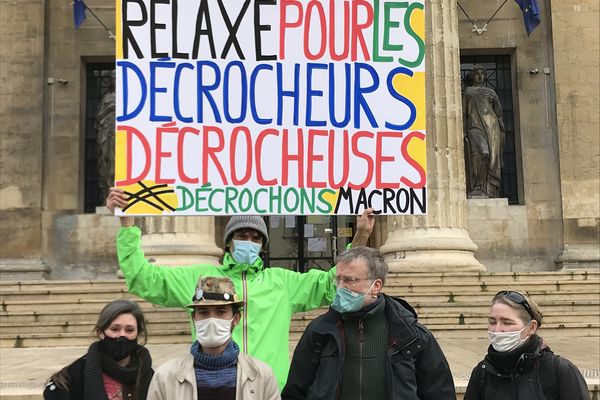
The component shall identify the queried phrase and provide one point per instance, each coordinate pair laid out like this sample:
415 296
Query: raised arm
165 286
364 227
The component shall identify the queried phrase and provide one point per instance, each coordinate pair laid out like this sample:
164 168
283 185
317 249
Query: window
98 83
499 78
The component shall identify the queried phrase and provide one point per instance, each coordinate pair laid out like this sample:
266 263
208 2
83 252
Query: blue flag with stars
78 12
531 14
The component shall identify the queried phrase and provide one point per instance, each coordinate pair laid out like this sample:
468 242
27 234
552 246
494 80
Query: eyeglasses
347 280
517 298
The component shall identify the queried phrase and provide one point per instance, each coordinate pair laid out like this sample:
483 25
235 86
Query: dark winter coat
531 372
416 366
84 377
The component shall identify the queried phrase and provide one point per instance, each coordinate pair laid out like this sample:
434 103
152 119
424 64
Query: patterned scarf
216 374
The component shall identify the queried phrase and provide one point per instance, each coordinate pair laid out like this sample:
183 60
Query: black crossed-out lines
151 196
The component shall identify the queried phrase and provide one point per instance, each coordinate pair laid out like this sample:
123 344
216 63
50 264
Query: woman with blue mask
519 364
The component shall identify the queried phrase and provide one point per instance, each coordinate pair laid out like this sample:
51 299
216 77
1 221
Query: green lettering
376 56
256 208
248 194
186 195
417 38
230 195
286 199
328 208
211 202
388 24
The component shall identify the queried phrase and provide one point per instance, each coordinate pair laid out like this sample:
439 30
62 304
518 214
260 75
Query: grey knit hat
246 221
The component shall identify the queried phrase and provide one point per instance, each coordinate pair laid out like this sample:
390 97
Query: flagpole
110 34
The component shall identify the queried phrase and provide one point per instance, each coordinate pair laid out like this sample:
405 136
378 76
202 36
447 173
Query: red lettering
357 28
345 161
180 139
233 155
369 176
346 26
166 128
312 158
380 159
258 150
309 9
211 151
285 24
418 167
147 155
286 157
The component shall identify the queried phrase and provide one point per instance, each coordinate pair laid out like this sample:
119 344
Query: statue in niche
105 139
484 136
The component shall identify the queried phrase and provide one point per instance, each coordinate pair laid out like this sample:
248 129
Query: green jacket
272 295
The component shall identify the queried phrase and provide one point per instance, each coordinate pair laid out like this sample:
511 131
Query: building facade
53 77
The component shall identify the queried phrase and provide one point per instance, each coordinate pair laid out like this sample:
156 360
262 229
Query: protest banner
271 107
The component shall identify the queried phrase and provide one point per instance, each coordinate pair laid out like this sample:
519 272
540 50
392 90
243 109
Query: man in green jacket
271 295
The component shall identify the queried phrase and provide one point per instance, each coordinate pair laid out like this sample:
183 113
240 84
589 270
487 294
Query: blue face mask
245 251
347 301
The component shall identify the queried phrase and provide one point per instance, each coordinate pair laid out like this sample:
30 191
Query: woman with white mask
519 364
214 368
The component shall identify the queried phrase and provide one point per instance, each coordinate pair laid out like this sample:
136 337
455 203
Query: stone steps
178 320
62 313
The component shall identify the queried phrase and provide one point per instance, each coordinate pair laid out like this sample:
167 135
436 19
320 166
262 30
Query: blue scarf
216 374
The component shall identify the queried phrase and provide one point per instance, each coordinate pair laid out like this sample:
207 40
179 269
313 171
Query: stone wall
527 236
576 61
42 125
21 128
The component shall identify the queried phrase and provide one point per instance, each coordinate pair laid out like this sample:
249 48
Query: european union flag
78 12
531 14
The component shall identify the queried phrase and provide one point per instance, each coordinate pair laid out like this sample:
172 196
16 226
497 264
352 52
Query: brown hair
108 314
521 309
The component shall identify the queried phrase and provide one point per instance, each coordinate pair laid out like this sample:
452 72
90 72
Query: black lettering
402 200
361 203
203 13
258 28
415 199
346 193
388 196
374 192
232 39
154 26
128 37
174 14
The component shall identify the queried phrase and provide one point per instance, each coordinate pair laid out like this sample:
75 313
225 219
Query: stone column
180 240
438 241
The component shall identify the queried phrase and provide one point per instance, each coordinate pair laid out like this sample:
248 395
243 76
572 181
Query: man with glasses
368 346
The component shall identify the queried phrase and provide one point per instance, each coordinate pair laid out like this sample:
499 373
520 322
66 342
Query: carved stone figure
105 139
484 137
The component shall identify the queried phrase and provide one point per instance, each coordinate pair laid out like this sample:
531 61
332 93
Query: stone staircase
452 305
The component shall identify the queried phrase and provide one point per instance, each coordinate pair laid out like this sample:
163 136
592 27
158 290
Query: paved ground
23 371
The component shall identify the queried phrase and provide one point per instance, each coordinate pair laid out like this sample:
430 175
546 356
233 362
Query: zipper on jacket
361 338
245 314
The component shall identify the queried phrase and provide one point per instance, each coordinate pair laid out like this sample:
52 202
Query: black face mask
117 348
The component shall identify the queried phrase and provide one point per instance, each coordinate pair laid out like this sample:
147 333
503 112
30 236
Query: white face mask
213 332
507 341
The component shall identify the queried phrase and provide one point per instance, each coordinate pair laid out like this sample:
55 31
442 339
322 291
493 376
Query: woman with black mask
115 367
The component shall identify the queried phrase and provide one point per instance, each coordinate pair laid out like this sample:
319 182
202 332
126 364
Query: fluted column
180 240
438 241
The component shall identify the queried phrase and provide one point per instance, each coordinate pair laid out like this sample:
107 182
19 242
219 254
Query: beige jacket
176 379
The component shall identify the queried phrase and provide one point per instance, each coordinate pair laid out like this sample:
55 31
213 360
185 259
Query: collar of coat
184 369
229 262
402 320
